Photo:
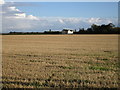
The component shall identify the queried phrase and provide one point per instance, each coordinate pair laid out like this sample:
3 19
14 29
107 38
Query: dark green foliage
100 29
98 68
105 29
35 84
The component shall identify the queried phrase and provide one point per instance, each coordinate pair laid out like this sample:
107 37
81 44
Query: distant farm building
67 31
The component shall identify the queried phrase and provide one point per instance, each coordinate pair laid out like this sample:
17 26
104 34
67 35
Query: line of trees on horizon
95 29
100 29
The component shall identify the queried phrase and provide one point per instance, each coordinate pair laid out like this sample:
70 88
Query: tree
95 28
75 30
49 30
111 25
89 30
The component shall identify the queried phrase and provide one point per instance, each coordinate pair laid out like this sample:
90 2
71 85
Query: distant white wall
70 31
67 32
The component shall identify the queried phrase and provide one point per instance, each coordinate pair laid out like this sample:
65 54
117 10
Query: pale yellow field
37 61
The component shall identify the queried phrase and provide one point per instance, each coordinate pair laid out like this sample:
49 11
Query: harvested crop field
73 61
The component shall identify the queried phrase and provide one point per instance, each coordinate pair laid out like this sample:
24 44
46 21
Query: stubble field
73 61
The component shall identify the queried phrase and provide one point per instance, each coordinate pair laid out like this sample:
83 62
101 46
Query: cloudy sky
40 16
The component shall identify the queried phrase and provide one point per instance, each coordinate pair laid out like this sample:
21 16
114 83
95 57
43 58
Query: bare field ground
43 61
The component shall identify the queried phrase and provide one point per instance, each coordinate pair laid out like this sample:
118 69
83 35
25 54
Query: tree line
100 29
94 29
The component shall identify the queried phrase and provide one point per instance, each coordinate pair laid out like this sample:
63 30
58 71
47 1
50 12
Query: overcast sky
40 16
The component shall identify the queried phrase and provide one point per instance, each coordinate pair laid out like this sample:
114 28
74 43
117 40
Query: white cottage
67 31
